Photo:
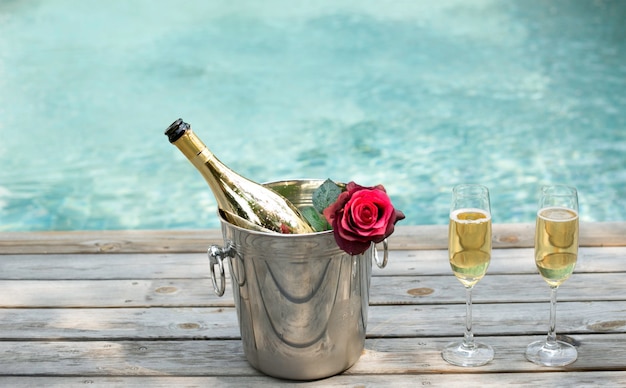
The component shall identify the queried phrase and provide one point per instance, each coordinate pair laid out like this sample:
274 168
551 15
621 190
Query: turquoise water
416 95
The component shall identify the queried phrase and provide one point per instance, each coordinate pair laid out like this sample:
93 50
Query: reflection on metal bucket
301 300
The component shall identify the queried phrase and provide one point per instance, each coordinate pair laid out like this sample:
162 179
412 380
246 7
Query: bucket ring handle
217 256
383 263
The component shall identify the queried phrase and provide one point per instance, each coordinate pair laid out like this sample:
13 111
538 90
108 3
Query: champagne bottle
243 202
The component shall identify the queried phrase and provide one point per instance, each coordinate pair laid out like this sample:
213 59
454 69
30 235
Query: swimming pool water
418 96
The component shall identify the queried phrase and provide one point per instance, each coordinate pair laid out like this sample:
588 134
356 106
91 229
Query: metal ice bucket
301 301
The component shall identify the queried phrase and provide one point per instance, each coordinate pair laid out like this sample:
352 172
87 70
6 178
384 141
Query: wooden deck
137 308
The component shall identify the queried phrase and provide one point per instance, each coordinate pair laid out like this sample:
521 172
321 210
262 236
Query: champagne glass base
457 353
559 354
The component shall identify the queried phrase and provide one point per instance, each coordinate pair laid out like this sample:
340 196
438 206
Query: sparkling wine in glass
469 252
556 251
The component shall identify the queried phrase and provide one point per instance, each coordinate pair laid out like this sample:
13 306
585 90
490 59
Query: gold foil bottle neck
249 205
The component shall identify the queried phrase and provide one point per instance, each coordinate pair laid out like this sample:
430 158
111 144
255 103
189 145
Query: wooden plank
130 266
401 356
468 379
183 292
519 235
496 319
503 261
383 321
129 241
398 290
135 266
603 234
187 241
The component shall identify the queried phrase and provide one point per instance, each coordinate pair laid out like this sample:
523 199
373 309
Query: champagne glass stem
468 338
551 340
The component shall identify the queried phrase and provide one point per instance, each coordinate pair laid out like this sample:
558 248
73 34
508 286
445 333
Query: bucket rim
266 234
273 185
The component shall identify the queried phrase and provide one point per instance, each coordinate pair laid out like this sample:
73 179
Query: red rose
360 216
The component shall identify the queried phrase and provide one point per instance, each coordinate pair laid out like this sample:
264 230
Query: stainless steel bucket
301 301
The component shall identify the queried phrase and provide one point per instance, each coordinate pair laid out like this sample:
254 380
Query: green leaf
325 195
315 219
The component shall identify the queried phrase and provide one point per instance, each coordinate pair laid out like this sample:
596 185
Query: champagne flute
556 251
469 251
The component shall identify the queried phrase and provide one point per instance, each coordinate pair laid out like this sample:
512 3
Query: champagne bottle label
243 202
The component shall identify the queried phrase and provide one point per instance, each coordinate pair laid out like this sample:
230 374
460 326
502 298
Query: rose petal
362 215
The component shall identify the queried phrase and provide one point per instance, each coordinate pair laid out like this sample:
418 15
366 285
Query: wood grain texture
389 290
212 323
445 380
134 266
392 356
188 241
137 308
